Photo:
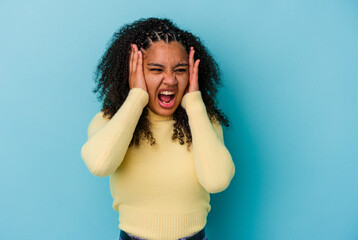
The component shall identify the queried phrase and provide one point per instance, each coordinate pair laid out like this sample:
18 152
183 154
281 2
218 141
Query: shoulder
97 122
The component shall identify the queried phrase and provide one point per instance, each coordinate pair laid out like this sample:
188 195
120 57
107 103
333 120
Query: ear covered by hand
136 75
193 84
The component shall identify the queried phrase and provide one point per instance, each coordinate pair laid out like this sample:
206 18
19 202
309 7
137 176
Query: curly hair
112 73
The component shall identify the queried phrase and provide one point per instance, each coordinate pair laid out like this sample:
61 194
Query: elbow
92 164
215 188
218 184
100 173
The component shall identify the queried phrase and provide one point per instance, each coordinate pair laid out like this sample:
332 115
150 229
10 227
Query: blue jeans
134 237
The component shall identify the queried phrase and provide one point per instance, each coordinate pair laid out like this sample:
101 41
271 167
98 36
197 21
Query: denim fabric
134 237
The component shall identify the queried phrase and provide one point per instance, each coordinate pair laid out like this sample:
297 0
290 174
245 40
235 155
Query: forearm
212 160
105 149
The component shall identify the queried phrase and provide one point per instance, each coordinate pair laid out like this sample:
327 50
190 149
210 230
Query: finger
191 59
140 61
135 57
196 67
131 60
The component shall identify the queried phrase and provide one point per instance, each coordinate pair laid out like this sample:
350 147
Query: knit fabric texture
160 191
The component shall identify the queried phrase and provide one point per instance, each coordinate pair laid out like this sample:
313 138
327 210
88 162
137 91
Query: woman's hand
136 75
193 84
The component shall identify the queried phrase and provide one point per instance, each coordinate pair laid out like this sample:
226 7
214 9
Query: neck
156 117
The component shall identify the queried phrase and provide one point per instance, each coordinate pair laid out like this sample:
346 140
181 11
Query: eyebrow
162 66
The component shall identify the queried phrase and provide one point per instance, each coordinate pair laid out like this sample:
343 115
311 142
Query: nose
170 79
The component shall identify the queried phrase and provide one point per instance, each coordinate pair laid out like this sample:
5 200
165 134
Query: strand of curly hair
112 72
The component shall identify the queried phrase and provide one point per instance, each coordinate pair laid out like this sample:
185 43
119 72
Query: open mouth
166 99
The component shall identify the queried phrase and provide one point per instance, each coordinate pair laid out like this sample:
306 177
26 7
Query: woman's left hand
193 84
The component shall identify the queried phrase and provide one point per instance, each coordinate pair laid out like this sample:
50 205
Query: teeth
167 93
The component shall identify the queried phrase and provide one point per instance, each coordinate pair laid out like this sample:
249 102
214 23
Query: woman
159 134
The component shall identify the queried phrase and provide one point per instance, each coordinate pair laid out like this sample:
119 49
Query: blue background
290 92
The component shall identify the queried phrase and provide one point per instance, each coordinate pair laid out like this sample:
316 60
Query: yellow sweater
160 191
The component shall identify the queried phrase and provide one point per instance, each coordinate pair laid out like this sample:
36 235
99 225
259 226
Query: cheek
152 81
183 81
146 76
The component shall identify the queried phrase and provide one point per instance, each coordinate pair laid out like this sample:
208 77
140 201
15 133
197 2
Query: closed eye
155 69
181 70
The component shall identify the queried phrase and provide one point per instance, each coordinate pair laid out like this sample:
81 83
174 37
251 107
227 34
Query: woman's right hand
136 74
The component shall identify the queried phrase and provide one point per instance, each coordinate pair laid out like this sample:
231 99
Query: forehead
162 52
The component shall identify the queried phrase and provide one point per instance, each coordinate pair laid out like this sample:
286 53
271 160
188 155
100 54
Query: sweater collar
156 117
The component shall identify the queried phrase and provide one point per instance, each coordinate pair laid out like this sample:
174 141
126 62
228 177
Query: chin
164 112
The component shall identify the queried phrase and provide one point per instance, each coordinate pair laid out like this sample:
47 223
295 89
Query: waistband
198 236
160 225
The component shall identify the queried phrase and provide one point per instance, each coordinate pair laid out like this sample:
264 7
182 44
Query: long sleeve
212 161
108 139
